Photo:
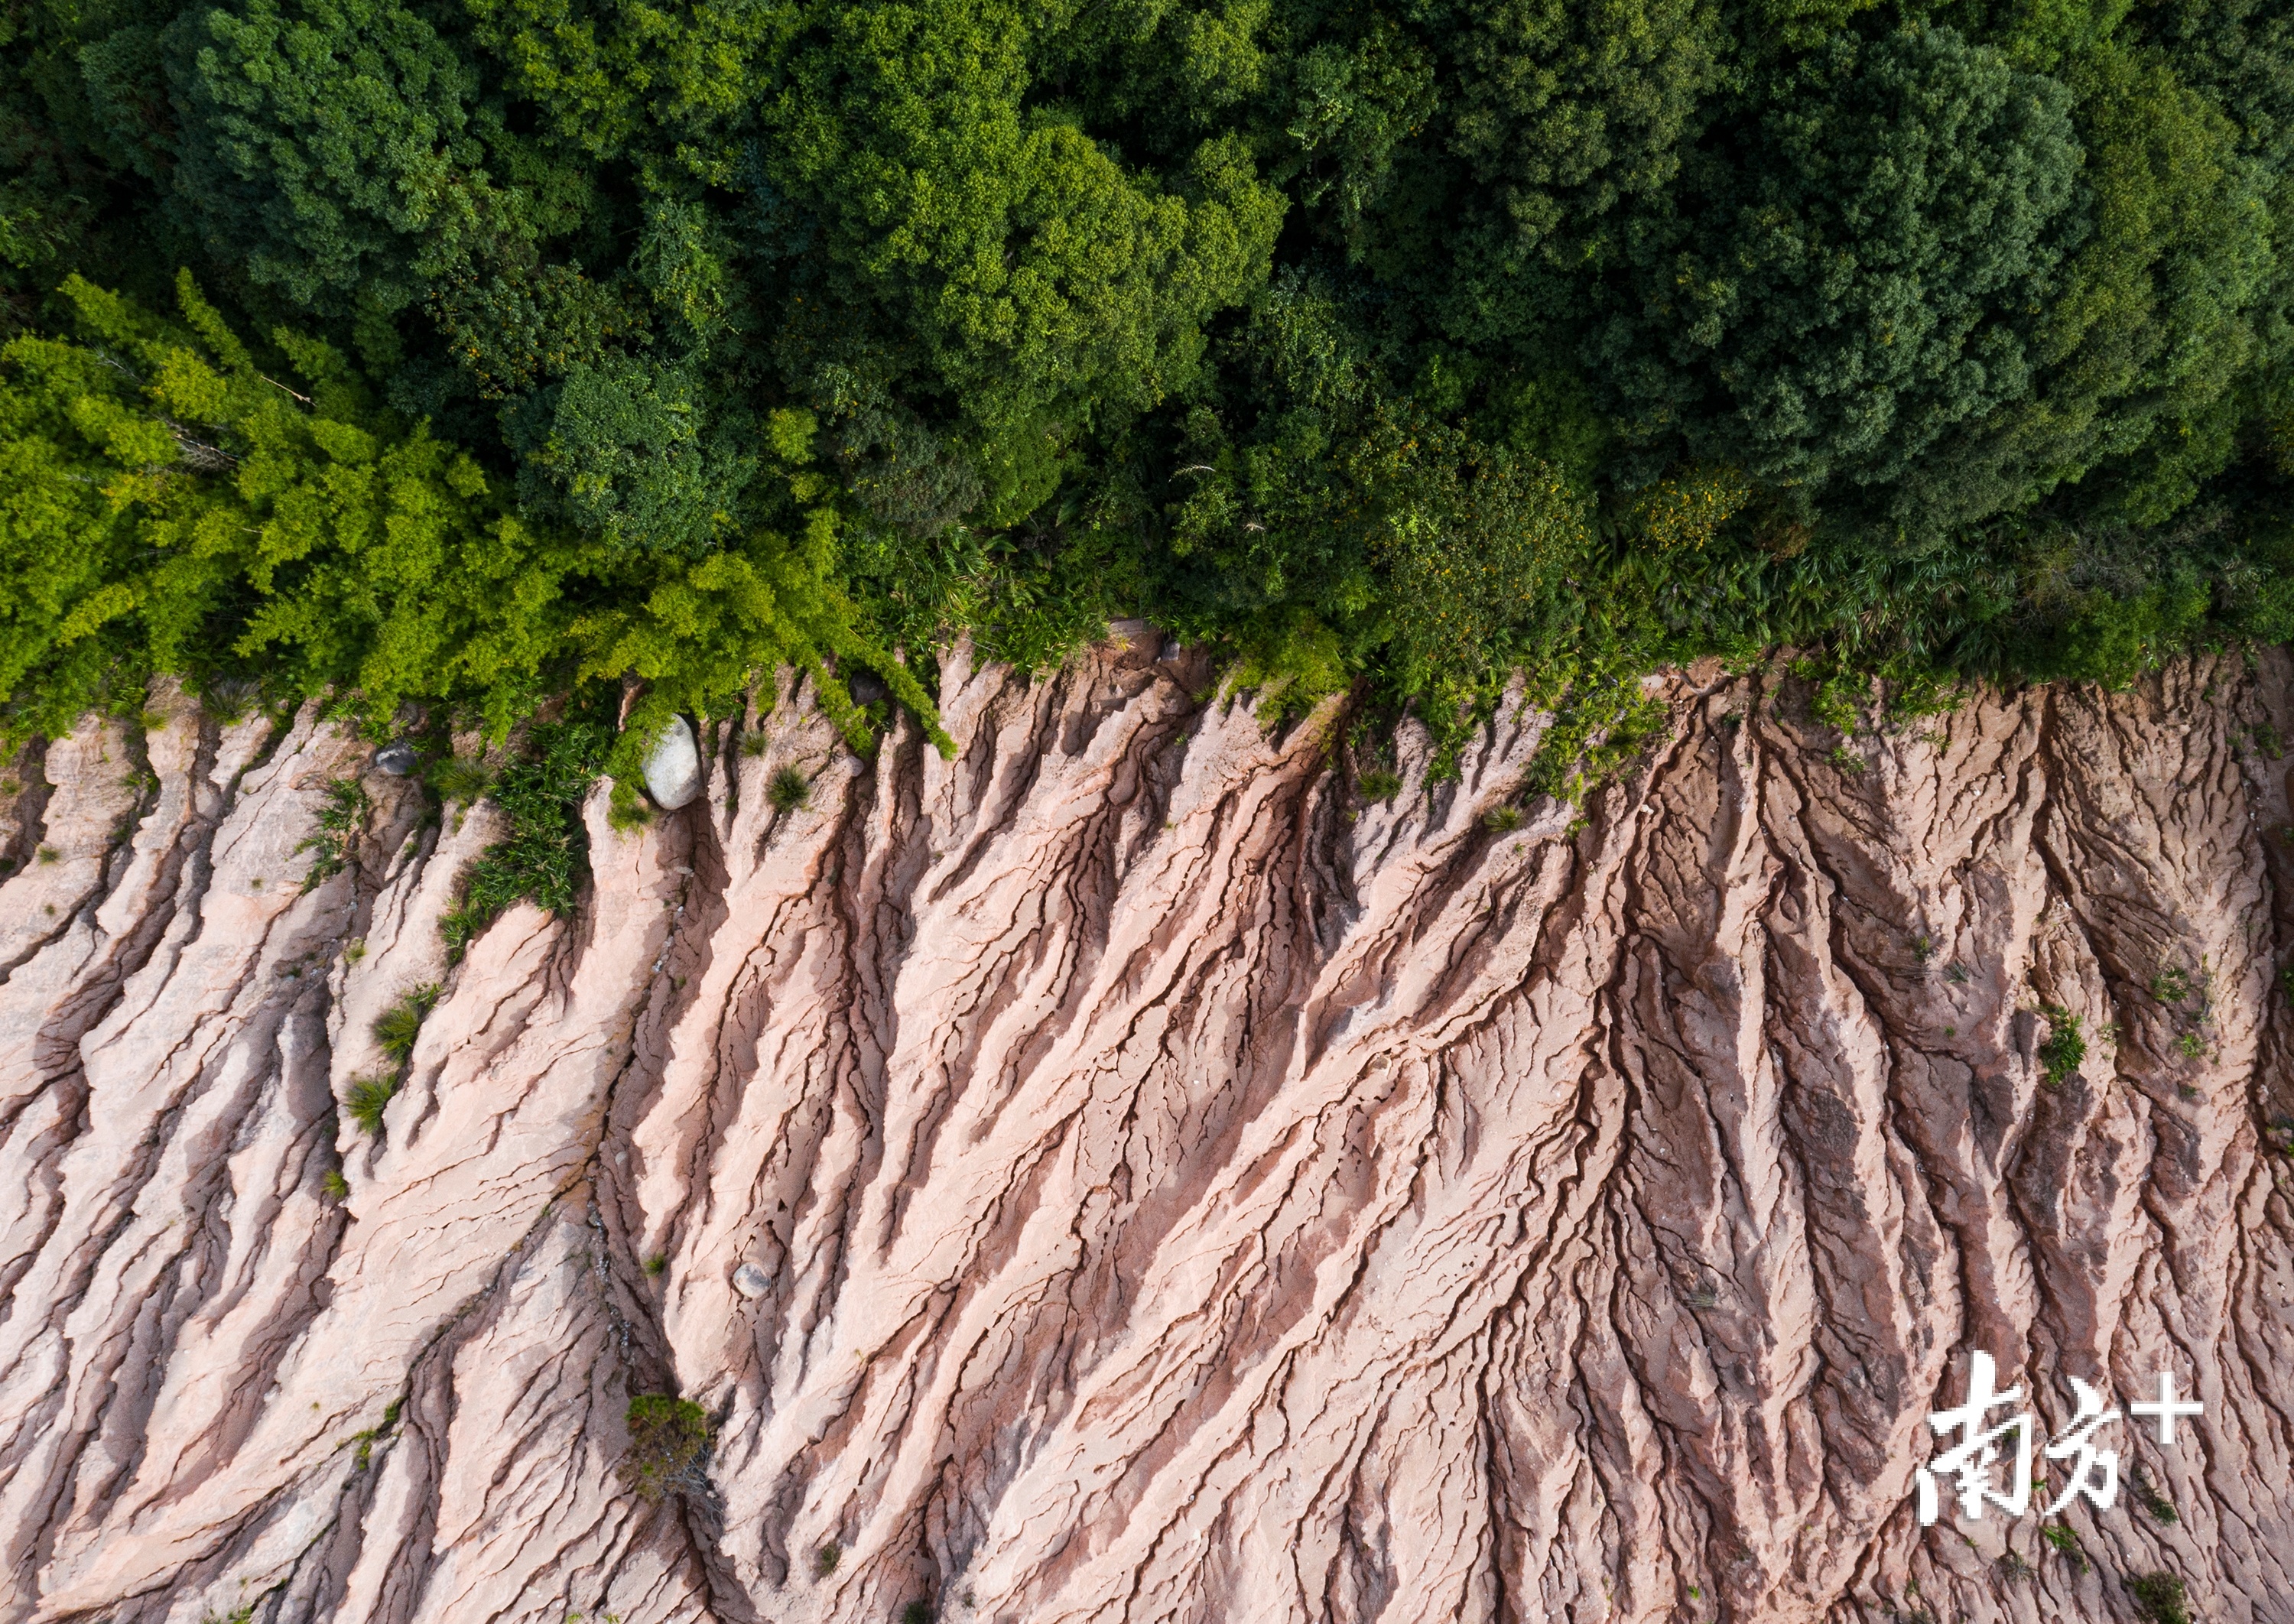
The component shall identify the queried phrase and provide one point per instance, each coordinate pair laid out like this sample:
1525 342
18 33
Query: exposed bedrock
1116 1175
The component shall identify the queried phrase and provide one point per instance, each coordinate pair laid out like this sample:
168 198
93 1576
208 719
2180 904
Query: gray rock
751 1281
673 772
1170 649
396 760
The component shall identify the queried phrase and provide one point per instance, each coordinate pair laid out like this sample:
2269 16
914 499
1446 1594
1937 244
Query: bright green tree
174 506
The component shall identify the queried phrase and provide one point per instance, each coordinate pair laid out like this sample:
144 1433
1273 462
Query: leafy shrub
668 1437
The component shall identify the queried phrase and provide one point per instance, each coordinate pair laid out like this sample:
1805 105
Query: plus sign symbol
2167 1410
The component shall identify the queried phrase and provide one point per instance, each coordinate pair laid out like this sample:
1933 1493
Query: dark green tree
334 147
1865 279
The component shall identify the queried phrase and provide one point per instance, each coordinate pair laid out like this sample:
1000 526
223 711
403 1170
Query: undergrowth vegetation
541 855
668 1438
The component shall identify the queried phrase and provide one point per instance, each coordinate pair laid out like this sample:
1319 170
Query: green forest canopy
464 352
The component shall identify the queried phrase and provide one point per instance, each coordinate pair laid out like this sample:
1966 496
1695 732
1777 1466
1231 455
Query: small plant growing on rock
626 810
2171 985
2161 1597
2012 1563
2065 1541
2191 1046
459 778
667 1436
337 1188
366 1439
341 821
398 1026
49 854
826 1558
1504 819
656 1265
1377 784
2161 1509
754 745
366 1101
543 853
916 1612
790 790
2060 1056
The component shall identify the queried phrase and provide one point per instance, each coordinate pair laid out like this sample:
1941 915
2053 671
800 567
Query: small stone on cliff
751 1281
673 772
395 759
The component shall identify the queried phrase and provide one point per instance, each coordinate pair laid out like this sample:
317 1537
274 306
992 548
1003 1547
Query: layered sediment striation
1116 1175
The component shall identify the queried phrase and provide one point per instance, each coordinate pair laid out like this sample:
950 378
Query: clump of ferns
396 1030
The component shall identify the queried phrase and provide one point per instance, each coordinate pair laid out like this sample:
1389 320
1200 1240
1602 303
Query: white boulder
673 772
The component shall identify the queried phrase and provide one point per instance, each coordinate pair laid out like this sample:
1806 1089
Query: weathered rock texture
1113 1175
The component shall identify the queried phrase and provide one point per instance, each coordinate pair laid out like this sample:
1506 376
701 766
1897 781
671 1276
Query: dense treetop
460 352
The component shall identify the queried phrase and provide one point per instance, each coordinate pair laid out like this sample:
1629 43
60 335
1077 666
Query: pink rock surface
1117 1175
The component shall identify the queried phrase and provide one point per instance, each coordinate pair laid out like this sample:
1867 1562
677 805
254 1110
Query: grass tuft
1379 784
459 778
367 1099
397 1027
789 789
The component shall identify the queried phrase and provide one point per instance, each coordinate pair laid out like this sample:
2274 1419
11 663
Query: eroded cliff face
1160 1189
